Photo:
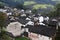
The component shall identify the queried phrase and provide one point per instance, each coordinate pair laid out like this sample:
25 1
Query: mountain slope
28 2
14 2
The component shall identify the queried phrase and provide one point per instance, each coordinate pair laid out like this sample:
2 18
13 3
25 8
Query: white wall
44 38
34 36
41 19
14 28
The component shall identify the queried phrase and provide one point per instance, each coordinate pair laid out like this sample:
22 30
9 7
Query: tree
55 12
58 10
19 6
3 17
34 11
25 8
1 5
58 34
3 35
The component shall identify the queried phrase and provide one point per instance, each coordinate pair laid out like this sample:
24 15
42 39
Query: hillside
14 2
31 3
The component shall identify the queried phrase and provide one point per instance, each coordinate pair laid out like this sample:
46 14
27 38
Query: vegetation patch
2 3
26 3
21 38
44 6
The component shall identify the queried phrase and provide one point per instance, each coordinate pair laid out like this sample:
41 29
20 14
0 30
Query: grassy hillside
26 3
13 2
35 5
42 6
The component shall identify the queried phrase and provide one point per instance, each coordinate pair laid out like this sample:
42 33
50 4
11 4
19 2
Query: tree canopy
3 17
56 11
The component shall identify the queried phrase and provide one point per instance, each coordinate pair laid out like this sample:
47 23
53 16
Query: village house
37 31
40 32
3 10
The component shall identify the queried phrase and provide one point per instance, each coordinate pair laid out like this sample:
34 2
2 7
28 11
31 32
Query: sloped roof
43 30
23 20
53 23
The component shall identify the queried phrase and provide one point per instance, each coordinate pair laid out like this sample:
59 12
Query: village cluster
25 23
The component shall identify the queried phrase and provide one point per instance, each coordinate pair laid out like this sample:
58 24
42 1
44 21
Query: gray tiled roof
43 30
22 20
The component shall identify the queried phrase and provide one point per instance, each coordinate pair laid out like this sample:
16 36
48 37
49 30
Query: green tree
19 6
58 34
1 5
3 17
34 11
55 12
3 35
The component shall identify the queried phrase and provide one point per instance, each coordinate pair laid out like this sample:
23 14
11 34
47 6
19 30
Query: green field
29 3
37 6
21 38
